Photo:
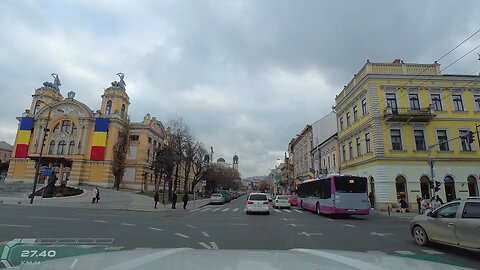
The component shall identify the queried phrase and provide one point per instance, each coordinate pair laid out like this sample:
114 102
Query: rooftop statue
56 83
120 83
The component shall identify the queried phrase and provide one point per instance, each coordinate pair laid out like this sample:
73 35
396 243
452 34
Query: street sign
204 183
47 171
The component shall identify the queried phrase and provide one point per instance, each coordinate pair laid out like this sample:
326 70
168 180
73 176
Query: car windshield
304 127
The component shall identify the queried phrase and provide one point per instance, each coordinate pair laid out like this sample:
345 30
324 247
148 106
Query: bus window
345 184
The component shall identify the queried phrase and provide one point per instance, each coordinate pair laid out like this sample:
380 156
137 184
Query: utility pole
431 162
39 161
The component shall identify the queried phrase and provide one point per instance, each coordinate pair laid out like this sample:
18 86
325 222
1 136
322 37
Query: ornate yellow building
395 117
79 142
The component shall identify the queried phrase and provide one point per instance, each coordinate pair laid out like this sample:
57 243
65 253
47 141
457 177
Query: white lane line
182 235
206 246
127 224
276 210
286 210
216 209
191 226
73 264
205 234
99 215
204 210
235 210
226 209
114 248
143 248
376 252
238 224
297 211
55 218
214 245
432 252
155 229
404 252
15 225
329 219
348 225
99 221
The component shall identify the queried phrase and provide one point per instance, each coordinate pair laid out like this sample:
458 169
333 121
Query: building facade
324 144
329 158
5 151
300 154
393 118
78 142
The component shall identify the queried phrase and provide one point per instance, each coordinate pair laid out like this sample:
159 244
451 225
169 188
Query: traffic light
437 186
470 138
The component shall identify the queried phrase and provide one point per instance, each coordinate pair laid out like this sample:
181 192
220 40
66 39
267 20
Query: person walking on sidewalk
174 200
94 194
97 197
439 200
185 200
419 204
156 198
371 197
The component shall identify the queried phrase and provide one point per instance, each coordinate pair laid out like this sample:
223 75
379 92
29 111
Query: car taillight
249 202
265 202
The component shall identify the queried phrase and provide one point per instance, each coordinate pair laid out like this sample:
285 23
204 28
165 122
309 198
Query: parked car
269 196
281 201
456 223
292 199
226 195
217 198
257 202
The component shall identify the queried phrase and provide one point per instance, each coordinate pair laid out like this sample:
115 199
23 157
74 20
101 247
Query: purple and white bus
339 194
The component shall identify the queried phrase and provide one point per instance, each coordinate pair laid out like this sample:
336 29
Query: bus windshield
346 184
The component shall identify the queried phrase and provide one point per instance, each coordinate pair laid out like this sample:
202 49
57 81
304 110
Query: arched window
51 147
55 129
61 147
425 187
37 107
66 126
122 112
472 186
71 147
74 129
401 186
108 108
449 188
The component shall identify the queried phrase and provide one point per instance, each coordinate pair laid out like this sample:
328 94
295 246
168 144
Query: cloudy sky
245 75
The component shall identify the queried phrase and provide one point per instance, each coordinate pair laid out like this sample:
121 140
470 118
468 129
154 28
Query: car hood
186 259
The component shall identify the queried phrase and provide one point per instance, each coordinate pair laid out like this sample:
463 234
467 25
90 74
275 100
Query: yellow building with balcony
79 142
393 118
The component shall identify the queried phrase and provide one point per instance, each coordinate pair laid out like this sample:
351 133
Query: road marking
287 219
205 234
432 252
143 248
238 224
376 252
191 226
240 218
114 248
276 210
155 229
15 225
127 224
100 215
182 235
348 225
73 264
204 210
405 252
297 211
286 210
195 210
99 221
380 234
295 225
226 209
329 219
309 234
235 210
216 209
56 218
206 246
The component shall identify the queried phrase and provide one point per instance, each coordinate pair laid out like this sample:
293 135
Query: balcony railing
408 114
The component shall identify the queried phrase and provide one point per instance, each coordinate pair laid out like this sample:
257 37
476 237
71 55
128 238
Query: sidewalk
395 213
110 199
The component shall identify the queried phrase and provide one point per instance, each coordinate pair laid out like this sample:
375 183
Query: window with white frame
341 123
359 150
466 146
344 156
355 113
364 106
367 143
436 102
419 139
414 102
348 119
476 100
458 103
350 150
396 137
442 140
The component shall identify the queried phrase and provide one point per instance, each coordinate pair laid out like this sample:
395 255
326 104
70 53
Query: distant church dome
235 158
221 160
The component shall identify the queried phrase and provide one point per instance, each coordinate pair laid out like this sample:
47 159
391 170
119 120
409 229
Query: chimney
397 61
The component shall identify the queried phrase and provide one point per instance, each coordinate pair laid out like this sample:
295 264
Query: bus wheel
318 208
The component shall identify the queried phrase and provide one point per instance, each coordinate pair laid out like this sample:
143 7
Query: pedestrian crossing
231 209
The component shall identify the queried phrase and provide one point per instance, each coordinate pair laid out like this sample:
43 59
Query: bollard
389 210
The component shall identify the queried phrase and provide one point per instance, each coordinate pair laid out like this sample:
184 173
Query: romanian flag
23 137
99 139
311 173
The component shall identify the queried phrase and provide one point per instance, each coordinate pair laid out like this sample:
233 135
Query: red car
292 199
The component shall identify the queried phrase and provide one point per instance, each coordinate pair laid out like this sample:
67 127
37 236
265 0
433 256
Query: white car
217 198
257 202
281 201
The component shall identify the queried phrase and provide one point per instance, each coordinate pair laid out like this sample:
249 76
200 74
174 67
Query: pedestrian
174 200
97 197
424 206
156 198
371 197
435 203
439 200
94 195
185 200
403 205
419 204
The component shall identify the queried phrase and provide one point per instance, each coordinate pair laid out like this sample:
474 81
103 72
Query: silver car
217 198
456 223
257 202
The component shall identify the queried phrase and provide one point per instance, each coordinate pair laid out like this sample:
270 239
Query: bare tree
198 163
188 156
120 154
222 177
166 163
179 132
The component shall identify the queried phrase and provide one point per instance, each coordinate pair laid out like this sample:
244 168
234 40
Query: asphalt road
226 227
